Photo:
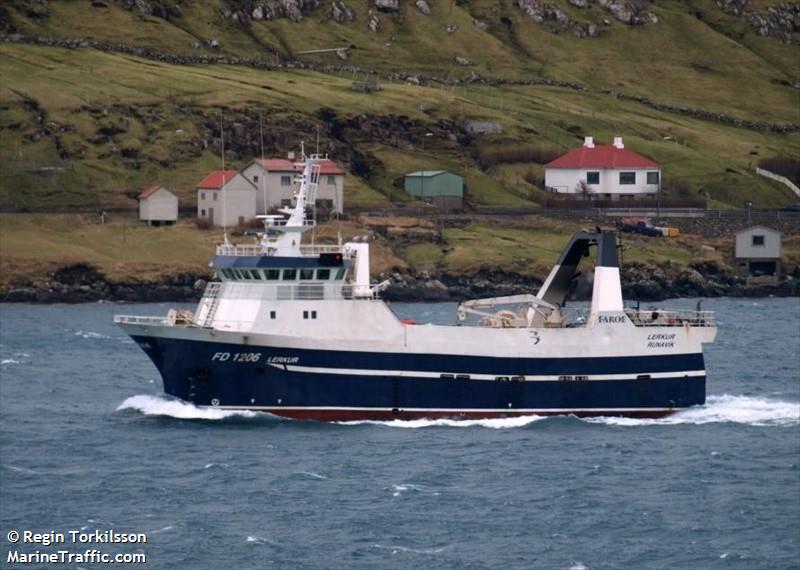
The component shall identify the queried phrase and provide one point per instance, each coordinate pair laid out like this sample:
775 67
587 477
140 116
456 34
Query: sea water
88 443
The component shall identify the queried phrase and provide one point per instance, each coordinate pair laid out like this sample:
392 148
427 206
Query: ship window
306 274
463 376
446 376
313 314
340 274
323 274
273 314
255 273
627 178
593 177
272 274
289 274
305 314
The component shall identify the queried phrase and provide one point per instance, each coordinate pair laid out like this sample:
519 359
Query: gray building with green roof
439 187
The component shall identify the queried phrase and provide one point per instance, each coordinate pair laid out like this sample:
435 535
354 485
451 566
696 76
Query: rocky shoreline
83 284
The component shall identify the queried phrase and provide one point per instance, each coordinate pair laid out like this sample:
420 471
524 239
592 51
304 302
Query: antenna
263 170
222 146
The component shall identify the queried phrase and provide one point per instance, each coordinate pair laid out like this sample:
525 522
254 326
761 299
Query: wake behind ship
299 331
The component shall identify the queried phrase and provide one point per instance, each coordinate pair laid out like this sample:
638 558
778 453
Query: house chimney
618 142
588 142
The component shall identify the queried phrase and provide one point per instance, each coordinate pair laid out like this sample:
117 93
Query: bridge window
306 274
255 273
289 274
272 274
236 274
323 274
340 274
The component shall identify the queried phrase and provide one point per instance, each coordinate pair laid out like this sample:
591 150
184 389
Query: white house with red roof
157 206
226 193
274 179
608 171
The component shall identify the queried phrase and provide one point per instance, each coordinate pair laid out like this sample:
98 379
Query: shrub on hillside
202 223
490 157
785 165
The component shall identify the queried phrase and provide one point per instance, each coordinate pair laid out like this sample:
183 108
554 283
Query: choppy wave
91 335
398 549
7 361
495 423
401 488
162 406
723 409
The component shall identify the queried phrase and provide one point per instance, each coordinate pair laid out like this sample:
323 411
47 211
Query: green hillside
131 104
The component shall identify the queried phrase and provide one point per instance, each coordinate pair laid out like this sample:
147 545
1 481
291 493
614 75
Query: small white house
157 206
758 254
226 193
273 178
603 171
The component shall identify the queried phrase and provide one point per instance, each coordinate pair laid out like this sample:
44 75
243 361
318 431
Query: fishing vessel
299 330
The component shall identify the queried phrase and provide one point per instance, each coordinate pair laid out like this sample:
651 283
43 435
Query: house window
758 241
286 180
289 274
202 195
273 314
627 178
272 274
331 181
241 220
593 177
324 204
652 177
285 203
202 213
215 196
306 274
255 178
323 274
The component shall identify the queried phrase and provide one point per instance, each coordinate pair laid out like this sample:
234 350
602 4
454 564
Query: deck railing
258 249
140 320
665 318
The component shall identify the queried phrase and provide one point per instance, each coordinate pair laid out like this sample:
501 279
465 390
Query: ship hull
336 385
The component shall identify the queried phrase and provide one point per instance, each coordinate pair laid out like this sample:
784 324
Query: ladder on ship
211 302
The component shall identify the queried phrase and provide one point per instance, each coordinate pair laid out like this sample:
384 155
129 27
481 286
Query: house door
211 215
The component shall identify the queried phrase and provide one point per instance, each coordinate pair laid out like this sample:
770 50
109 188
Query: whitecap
91 335
216 466
722 409
494 423
19 469
400 488
162 406
260 540
10 361
397 549
578 566
158 530
312 475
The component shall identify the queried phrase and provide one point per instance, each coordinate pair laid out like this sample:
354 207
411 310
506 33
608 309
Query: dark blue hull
316 384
